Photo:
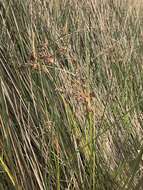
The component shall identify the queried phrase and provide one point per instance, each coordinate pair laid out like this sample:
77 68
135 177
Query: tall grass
71 95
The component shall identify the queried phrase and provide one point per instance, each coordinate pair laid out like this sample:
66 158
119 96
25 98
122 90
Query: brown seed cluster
40 56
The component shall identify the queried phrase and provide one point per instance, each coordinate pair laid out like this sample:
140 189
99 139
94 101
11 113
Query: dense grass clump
71 95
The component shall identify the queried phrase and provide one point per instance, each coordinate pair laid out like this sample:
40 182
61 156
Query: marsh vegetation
71 95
